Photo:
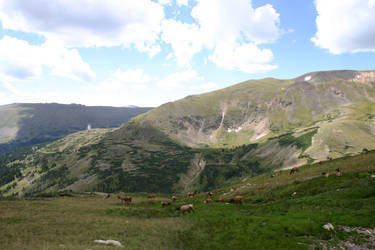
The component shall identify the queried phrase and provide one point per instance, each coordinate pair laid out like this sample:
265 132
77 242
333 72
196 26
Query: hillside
281 212
27 124
211 140
255 110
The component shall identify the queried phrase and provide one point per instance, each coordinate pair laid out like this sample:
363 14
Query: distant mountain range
26 124
206 141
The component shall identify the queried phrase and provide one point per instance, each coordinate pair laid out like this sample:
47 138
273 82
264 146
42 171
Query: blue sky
148 52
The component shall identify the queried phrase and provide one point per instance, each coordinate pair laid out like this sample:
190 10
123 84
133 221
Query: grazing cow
338 172
236 199
220 199
191 194
209 200
210 193
325 174
165 203
186 208
293 170
364 150
173 198
152 196
124 198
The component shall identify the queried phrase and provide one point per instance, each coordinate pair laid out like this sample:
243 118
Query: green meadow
278 212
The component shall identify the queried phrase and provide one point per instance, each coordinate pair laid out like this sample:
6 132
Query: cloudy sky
148 52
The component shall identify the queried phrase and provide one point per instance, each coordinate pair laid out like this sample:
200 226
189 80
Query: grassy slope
306 122
270 218
39 162
267 106
28 124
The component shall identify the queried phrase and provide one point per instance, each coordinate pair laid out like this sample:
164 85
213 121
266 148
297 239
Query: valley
281 212
210 140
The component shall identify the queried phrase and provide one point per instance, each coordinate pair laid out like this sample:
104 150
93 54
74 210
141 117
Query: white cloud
246 58
184 40
87 23
223 20
226 26
131 79
345 26
21 61
165 2
182 2
205 86
9 87
179 80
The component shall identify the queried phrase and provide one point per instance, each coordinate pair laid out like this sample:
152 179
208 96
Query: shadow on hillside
48 122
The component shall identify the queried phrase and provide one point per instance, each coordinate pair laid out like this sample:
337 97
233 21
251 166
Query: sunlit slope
259 109
214 139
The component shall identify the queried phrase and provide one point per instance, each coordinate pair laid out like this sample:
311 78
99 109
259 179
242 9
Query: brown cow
186 208
124 198
165 203
209 200
236 199
210 193
152 196
293 170
220 199
364 150
191 194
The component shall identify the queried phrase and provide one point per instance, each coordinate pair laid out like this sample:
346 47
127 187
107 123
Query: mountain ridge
24 124
244 130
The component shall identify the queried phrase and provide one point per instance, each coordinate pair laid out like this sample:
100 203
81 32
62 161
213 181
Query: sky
149 52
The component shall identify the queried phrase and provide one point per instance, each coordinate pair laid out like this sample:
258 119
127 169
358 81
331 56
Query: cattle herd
127 199
237 199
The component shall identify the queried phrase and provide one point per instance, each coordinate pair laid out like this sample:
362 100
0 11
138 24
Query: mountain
214 139
27 124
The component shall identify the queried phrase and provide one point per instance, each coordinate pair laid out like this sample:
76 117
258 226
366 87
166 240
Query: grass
75 222
281 212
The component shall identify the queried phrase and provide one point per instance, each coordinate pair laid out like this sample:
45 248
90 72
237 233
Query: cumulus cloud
10 88
21 61
182 2
165 2
88 23
246 58
236 21
179 80
225 27
184 39
131 79
345 26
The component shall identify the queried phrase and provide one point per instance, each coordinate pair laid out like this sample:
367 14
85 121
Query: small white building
88 126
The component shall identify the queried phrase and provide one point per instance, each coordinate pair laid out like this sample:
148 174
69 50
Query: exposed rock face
251 110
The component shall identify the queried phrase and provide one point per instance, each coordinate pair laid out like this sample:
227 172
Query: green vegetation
199 142
303 142
281 212
29 124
